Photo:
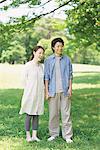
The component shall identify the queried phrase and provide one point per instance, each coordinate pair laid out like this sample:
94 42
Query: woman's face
39 54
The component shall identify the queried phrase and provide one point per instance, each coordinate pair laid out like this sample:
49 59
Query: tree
14 55
83 22
5 37
44 28
48 27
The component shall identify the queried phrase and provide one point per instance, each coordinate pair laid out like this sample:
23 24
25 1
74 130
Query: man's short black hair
54 41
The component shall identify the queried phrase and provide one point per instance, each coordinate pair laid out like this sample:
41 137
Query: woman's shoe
35 139
29 139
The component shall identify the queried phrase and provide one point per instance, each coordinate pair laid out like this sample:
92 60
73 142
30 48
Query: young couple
57 74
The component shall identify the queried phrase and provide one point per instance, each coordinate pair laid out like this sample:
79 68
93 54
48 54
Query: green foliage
5 37
90 56
14 55
46 44
83 54
41 30
83 22
17 3
47 27
29 42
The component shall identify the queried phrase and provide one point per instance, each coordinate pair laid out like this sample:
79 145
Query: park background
25 24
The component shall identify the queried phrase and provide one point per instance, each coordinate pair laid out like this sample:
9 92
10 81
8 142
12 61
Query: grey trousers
58 104
35 120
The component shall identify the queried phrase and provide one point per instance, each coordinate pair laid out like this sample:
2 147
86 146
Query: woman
33 96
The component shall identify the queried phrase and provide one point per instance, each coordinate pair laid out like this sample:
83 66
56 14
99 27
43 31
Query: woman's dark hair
54 41
35 50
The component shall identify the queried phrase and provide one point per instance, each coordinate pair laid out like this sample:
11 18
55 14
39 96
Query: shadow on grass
85 112
88 78
85 107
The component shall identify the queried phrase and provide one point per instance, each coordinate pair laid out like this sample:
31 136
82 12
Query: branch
2 1
32 20
44 14
41 5
46 2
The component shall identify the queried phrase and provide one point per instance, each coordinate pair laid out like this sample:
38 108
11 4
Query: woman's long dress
33 96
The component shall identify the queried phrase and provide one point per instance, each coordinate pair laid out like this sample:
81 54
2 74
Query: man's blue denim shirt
66 73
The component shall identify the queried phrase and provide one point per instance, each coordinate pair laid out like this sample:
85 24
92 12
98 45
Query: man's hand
70 88
70 92
46 90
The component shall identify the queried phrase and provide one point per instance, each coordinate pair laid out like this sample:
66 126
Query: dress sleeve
24 75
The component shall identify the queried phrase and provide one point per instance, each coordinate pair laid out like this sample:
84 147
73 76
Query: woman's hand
47 95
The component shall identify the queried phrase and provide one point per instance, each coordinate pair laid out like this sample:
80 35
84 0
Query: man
58 90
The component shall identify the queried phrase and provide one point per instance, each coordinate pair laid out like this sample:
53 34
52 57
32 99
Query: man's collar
53 56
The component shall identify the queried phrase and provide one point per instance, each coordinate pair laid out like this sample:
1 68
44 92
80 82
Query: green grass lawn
85 118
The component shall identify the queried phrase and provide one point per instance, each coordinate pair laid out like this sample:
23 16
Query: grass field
85 117
11 75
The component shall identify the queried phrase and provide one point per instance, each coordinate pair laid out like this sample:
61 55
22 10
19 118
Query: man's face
58 48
